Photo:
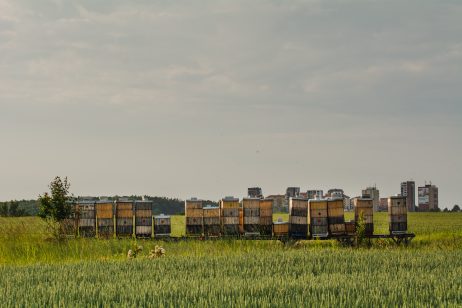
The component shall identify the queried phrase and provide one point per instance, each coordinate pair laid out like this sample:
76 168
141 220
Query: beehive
317 218
143 218
251 214
365 206
350 227
335 216
298 217
266 216
397 215
162 225
194 217
241 220
212 225
229 212
85 214
105 218
280 228
124 218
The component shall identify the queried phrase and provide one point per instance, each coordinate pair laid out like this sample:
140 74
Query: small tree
456 208
360 229
56 207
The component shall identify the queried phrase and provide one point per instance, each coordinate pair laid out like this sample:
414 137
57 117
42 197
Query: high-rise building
383 204
313 194
408 191
428 198
373 193
292 192
334 192
255 192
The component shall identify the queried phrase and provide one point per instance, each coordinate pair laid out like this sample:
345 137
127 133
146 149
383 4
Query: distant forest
170 206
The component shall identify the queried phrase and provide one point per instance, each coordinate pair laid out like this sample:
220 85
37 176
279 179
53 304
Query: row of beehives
252 216
120 218
325 217
315 217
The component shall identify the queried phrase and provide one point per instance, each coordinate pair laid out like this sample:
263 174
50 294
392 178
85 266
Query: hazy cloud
183 98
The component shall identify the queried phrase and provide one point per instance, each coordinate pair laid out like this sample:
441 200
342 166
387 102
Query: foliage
56 208
13 208
456 208
157 252
259 277
360 229
134 251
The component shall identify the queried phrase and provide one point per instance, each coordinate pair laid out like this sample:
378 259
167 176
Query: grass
93 272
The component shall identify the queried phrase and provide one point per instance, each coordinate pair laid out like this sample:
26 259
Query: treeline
16 208
170 206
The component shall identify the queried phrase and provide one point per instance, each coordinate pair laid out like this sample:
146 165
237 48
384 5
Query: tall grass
261 277
24 241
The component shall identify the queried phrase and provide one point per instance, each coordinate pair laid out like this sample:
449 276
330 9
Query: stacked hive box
194 217
365 206
335 215
317 218
241 220
229 211
105 218
350 227
298 217
86 218
280 228
143 218
212 226
251 210
397 215
162 225
266 216
124 218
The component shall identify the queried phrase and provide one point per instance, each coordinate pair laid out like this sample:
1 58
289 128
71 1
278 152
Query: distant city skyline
208 98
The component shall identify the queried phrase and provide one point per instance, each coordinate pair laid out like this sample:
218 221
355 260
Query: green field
35 271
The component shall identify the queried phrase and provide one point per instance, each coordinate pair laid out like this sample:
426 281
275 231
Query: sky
206 98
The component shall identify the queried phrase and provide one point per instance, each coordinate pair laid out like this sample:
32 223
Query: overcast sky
206 98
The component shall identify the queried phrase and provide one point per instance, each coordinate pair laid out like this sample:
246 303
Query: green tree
4 209
56 207
456 208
